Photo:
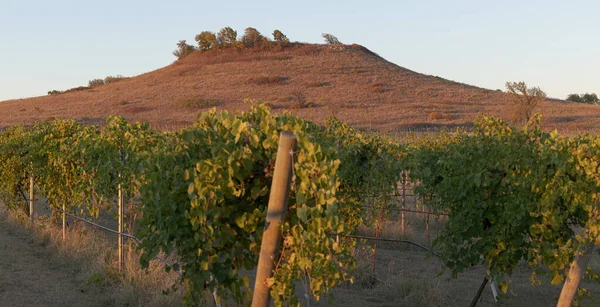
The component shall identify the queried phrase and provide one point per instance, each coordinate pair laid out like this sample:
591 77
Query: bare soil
32 273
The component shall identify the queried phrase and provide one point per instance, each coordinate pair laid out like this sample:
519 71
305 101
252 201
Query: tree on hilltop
590 98
226 37
278 36
330 39
206 40
183 49
252 38
585 98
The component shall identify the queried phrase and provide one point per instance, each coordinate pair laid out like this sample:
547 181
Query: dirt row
33 273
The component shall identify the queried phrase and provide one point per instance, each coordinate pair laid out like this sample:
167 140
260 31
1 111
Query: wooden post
379 224
403 201
427 224
278 202
64 222
576 272
437 225
120 227
31 208
130 230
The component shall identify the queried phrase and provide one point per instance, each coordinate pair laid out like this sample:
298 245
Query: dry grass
317 84
405 275
397 97
267 80
298 101
89 253
198 103
434 116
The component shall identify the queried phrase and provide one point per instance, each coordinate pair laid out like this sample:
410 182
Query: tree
206 40
183 49
252 38
574 98
278 36
226 37
590 98
584 98
524 100
330 39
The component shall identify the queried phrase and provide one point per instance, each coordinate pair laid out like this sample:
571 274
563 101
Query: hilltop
308 80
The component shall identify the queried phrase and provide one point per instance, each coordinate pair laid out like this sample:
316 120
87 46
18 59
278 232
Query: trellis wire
136 240
392 240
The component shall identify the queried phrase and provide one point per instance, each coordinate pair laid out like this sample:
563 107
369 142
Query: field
310 81
203 209
47 272
389 204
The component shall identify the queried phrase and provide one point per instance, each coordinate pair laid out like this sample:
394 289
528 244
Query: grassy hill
311 81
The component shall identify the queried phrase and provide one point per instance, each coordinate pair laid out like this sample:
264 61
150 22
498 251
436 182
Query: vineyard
498 197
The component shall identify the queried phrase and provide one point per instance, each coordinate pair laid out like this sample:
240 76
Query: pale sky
60 44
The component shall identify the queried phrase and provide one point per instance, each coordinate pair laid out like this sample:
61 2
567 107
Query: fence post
31 208
278 202
64 222
120 227
379 224
576 272
427 225
403 201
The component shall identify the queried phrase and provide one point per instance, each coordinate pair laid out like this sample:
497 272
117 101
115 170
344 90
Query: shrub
183 49
77 89
299 101
317 84
378 89
298 96
54 92
206 40
111 79
269 105
436 116
302 105
262 80
198 103
330 39
95 82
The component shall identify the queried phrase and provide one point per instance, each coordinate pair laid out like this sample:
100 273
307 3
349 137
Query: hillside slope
350 82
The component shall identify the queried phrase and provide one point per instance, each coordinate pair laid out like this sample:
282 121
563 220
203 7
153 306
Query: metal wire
392 240
409 210
136 240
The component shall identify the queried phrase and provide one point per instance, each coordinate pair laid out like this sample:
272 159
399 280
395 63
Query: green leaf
302 213
255 192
